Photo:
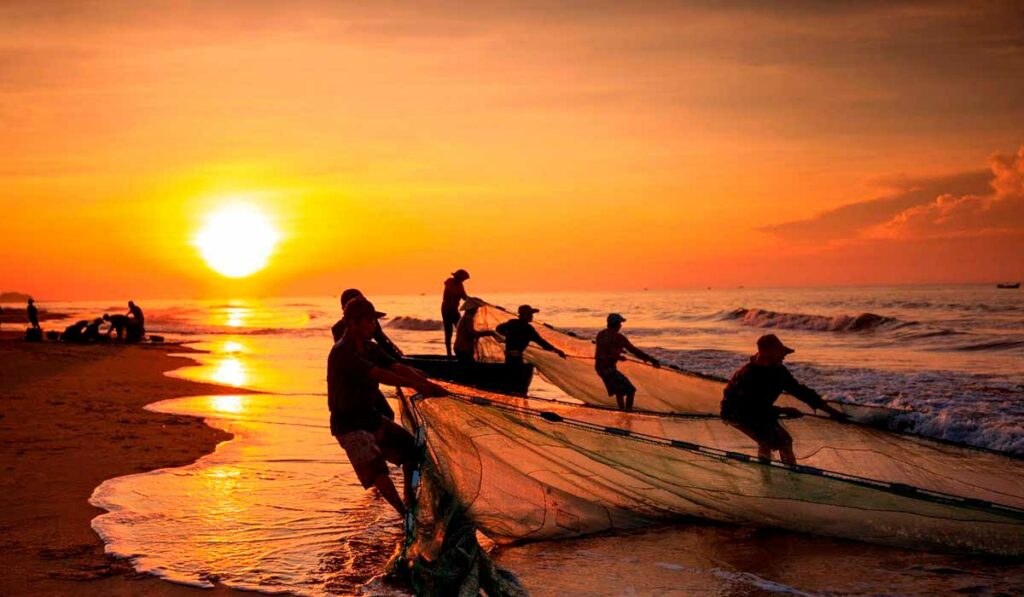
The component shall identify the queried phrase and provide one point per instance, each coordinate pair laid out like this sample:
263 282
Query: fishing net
524 469
662 390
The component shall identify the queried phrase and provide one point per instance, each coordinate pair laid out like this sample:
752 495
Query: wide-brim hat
770 344
460 273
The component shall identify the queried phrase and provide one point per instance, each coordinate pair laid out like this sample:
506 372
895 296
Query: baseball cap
614 318
359 308
527 309
770 344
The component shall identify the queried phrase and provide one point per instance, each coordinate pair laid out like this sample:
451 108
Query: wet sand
71 416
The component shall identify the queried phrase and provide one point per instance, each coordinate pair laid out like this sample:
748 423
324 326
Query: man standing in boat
454 293
382 340
518 333
749 399
361 418
610 345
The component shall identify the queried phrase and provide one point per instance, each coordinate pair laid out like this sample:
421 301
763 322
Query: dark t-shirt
518 334
355 400
33 315
454 292
609 347
753 390
136 312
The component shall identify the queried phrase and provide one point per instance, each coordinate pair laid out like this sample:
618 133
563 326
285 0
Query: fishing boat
1009 286
491 376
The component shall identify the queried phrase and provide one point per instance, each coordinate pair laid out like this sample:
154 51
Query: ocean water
277 509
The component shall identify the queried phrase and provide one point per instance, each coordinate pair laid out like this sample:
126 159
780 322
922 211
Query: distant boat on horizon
1008 285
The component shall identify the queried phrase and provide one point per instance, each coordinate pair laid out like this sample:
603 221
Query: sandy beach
70 417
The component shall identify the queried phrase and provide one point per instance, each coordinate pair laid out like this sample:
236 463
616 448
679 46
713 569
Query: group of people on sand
363 357
128 327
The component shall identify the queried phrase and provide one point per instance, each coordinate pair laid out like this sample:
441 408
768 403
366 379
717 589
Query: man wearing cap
466 333
518 333
749 399
610 345
454 292
382 340
361 418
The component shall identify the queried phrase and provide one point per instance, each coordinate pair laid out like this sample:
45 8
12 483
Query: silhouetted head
615 321
361 318
348 295
771 350
31 300
106 317
526 312
131 304
461 275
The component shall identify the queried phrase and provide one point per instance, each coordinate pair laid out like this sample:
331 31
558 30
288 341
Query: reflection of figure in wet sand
749 399
361 418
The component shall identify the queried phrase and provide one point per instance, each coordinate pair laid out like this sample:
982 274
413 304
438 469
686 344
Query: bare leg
448 337
620 402
786 453
629 401
764 452
388 491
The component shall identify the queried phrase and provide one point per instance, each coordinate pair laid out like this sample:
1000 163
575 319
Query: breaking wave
415 324
763 318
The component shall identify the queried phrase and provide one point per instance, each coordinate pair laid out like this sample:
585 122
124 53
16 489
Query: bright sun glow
237 240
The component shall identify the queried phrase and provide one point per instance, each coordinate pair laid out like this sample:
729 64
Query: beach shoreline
71 417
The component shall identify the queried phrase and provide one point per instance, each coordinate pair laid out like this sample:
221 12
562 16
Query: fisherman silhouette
748 402
608 352
33 314
454 293
518 333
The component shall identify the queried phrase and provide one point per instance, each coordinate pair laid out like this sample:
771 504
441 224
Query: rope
900 489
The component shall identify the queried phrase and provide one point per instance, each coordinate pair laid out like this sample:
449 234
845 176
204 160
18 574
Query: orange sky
541 148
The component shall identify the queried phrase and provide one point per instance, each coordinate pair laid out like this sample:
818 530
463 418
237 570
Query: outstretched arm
547 345
641 354
401 376
811 398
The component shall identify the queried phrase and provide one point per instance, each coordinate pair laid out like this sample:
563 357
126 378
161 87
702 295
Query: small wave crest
763 318
415 324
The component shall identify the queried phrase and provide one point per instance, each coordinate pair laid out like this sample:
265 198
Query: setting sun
237 240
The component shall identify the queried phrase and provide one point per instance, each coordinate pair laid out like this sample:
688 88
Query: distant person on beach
382 340
118 324
749 399
136 328
466 334
454 293
610 345
518 333
361 418
92 331
33 314
73 333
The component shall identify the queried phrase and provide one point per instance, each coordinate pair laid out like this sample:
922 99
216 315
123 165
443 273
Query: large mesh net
525 469
660 390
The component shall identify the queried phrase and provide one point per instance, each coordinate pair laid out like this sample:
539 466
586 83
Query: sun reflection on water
227 404
230 371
